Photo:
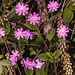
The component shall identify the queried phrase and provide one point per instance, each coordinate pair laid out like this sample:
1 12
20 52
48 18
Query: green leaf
1 40
28 71
21 53
1 69
40 72
67 16
7 27
56 60
73 40
5 70
67 47
52 33
48 54
3 1
43 57
56 53
1 56
38 40
51 60
69 3
5 63
72 7
32 52
30 26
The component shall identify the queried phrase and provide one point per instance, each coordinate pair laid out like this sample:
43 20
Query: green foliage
67 16
56 53
4 63
37 40
73 40
43 57
1 69
1 56
7 27
5 70
40 72
56 60
32 52
52 33
28 71
30 26
21 53
48 54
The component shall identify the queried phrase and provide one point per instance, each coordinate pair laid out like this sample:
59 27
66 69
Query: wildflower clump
20 33
31 64
13 58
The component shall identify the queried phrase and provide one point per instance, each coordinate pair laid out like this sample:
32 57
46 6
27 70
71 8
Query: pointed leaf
43 57
32 52
40 72
5 63
1 69
67 16
1 56
30 26
52 33
56 53
5 70
48 54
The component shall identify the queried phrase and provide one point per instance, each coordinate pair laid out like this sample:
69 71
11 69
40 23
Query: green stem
19 44
42 38
55 66
47 68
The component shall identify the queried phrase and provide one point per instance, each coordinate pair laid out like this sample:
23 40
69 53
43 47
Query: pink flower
31 64
62 31
53 6
13 58
39 64
19 33
22 9
15 53
27 63
12 23
28 34
34 18
2 33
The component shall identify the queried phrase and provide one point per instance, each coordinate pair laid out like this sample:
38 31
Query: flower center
19 33
28 34
21 8
33 18
62 30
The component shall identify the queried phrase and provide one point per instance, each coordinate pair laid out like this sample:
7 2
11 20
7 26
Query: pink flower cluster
31 64
62 31
2 33
22 9
53 6
20 33
13 58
